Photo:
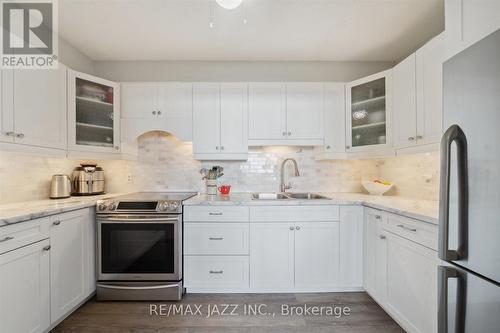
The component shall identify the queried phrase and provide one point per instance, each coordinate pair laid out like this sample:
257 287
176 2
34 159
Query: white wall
74 58
236 70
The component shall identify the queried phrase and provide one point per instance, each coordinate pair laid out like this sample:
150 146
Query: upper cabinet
468 21
93 114
334 117
285 114
220 121
417 98
157 106
34 107
368 113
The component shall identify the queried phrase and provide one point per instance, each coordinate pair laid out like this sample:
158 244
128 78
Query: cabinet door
68 261
404 103
176 109
468 21
375 256
351 246
233 118
271 256
40 107
412 284
368 116
430 59
139 100
206 118
25 289
93 114
266 111
6 106
304 110
334 115
316 255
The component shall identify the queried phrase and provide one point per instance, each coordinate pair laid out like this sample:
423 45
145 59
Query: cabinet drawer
317 213
216 238
425 234
23 233
212 272
216 214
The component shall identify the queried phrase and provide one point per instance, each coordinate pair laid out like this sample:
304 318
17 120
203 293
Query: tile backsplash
167 164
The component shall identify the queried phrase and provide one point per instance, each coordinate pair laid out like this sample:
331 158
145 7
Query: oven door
139 247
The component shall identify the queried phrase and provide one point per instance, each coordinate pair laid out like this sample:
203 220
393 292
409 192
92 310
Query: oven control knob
173 206
102 206
163 206
112 206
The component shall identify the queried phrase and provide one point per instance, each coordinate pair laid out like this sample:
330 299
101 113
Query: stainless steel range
139 246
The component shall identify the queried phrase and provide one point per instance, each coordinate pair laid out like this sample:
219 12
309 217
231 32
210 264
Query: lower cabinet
24 289
44 278
400 273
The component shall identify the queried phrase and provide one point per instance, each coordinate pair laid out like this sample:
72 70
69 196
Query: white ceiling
326 30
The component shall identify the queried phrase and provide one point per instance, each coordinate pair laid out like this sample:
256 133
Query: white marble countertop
26 210
424 210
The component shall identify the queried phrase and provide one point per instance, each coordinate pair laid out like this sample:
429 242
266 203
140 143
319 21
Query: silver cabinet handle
221 147
56 222
19 135
6 239
411 138
117 147
402 226
378 217
297 228
381 236
420 137
216 147
216 272
289 133
46 248
215 214
9 133
284 133
154 113
215 238
159 112
292 227
328 147
347 147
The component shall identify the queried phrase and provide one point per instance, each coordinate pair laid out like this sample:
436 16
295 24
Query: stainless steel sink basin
306 196
269 196
288 196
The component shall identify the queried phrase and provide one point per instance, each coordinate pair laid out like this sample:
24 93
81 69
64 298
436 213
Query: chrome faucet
283 186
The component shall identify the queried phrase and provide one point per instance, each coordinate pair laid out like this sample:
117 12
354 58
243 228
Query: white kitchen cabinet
266 111
405 102
468 21
68 261
412 284
272 256
93 114
375 255
334 117
369 113
316 255
304 111
429 82
34 107
220 121
25 289
351 247
157 107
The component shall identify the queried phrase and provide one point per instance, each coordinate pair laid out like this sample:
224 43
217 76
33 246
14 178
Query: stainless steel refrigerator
469 222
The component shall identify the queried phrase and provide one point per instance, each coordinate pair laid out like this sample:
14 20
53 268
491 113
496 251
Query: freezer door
467 302
470 183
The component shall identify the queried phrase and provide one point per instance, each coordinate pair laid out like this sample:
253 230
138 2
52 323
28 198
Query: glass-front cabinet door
94 118
368 113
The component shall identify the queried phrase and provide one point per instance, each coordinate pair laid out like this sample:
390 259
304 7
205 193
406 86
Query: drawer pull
46 248
215 238
216 214
406 228
378 217
216 272
56 222
381 236
6 239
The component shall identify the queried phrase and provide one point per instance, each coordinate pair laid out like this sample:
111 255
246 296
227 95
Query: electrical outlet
130 179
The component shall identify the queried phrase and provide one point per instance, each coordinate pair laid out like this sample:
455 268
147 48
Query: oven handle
107 286
143 219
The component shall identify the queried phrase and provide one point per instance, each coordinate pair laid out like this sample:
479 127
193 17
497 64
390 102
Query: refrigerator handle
453 134
445 273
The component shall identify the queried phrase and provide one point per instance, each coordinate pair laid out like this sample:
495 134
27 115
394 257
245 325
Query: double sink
288 196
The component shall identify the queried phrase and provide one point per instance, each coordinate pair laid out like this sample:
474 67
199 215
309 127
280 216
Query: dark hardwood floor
365 315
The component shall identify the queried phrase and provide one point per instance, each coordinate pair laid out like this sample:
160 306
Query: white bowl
376 188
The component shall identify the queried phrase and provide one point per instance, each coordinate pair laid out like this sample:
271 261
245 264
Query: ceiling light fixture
229 4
